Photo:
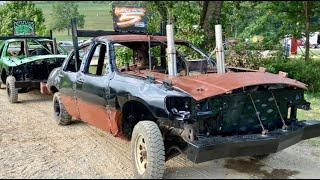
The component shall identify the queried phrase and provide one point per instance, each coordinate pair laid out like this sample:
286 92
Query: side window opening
71 65
98 64
37 48
15 49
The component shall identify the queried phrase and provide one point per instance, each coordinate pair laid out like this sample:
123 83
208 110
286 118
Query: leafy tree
272 20
210 16
63 12
185 16
294 17
21 10
195 20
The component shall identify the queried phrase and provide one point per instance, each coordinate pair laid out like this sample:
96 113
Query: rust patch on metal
217 84
70 105
108 119
115 117
262 69
283 74
44 89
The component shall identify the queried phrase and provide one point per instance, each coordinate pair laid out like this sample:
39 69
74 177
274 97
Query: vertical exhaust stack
75 40
171 51
219 50
55 46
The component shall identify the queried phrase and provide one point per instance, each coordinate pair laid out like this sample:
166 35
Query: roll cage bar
55 48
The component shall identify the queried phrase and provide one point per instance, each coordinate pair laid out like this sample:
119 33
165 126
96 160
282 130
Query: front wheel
60 113
12 92
147 149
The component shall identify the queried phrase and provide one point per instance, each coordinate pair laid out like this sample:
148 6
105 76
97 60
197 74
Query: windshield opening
34 48
134 57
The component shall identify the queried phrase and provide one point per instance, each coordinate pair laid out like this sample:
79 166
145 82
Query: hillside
97 16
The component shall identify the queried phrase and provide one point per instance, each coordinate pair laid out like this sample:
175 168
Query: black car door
68 77
92 88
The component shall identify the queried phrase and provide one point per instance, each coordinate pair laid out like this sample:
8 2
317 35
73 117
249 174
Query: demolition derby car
120 83
25 63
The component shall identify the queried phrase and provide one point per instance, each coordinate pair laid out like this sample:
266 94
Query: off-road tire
60 113
12 92
154 150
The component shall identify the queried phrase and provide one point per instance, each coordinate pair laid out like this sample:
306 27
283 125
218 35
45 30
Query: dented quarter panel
125 88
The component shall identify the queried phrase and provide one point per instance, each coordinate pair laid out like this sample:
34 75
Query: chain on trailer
264 130
284 126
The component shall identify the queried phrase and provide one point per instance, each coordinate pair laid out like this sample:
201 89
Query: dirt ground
32 145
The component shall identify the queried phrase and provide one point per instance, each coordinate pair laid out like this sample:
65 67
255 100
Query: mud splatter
253 167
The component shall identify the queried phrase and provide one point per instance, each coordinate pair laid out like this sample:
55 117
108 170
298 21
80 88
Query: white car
65 43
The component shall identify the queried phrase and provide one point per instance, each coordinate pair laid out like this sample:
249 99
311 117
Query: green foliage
185 16
187 21
62 14
21 10
123 56
272 20
304 71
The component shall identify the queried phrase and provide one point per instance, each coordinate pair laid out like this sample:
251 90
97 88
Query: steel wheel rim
141 154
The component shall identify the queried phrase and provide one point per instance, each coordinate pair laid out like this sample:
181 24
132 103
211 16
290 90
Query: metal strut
284 126
264 130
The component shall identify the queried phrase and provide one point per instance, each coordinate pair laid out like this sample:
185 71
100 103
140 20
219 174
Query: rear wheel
60 113
147 149
12 92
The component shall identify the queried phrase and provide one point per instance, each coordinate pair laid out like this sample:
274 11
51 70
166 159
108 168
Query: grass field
97 16
314 53
313 114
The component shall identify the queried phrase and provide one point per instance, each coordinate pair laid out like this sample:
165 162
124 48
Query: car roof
18 39
134 38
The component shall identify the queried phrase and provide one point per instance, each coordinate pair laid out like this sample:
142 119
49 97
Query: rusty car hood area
208 85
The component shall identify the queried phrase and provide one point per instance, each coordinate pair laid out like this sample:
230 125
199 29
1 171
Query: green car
26 62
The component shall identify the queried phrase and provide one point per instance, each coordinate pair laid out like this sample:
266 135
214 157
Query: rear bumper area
33 85
28 84
253 144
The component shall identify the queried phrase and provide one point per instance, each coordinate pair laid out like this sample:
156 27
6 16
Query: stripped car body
28 61
205 115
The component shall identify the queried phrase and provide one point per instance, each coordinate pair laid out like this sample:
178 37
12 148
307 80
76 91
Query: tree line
193 20
62 13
